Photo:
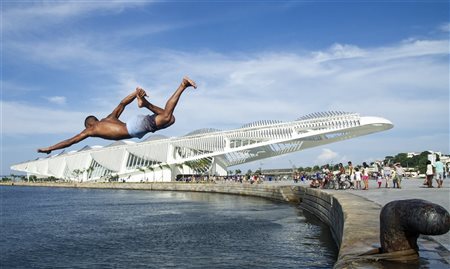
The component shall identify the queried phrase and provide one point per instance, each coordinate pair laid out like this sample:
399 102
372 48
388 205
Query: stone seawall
353 221
271 191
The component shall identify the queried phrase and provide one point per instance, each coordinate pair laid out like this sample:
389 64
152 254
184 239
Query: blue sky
252 60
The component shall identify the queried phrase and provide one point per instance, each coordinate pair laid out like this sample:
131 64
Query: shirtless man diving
113 129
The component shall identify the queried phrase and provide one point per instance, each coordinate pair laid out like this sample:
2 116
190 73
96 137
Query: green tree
77 173
401 158
422 162
418 162
89 171
114 177
151 169
388 159
142 169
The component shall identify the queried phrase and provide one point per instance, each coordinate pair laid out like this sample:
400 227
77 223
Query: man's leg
165 116
142 102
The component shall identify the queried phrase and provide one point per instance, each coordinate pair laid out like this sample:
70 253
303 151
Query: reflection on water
83 228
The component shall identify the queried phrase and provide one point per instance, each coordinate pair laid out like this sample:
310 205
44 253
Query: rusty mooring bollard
402 221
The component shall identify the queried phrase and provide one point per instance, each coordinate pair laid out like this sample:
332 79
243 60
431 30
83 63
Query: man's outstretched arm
119 109
66 143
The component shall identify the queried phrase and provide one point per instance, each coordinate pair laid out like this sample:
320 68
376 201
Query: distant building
444 158
412 154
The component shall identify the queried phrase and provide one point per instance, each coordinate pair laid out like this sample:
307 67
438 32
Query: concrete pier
411 189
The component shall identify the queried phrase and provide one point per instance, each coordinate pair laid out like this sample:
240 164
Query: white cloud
19 118
59 100
34 15
327 155
64 53
339 51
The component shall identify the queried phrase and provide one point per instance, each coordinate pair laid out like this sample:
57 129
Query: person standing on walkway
365 176
379 180
400 172
394 177
327 176
387 173
341 174
429 174
358 176
439 169
351 174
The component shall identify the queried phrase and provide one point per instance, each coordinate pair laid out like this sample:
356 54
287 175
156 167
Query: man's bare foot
140 101
189 82
140 92
140 96
44 151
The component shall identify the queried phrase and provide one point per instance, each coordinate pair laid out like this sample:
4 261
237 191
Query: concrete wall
354 223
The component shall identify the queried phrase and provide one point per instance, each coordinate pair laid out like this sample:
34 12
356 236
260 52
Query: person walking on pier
429 174
399 172
439 168
387 175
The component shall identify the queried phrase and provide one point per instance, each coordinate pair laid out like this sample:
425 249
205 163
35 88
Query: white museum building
205 151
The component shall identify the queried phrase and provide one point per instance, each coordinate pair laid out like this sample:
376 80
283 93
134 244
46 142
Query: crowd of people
344 177
251 179
357 177
386 175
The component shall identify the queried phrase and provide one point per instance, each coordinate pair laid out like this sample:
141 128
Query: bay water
100 228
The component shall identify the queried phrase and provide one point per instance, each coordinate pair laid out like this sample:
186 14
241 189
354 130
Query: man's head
90 120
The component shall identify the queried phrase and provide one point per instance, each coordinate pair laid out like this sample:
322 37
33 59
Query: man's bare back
113 129
109 128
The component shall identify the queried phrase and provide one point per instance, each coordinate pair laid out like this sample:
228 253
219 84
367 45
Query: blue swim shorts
140 125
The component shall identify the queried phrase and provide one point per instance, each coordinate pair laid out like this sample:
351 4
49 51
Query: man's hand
44 150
